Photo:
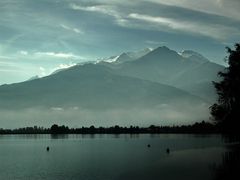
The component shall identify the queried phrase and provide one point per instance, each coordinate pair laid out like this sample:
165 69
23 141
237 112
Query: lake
110 157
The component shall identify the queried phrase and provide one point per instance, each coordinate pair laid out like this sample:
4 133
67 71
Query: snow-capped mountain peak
193 55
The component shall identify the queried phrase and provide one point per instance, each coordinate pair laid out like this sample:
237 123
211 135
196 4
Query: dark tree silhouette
226 112
55 129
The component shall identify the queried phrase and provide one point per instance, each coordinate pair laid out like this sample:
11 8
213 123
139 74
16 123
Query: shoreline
196 133
196 128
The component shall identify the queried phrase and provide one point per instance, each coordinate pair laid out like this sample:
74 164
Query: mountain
33 78
94 94
189 70
89 86
160 65
125 57
161 87
189 54
198 80
138 54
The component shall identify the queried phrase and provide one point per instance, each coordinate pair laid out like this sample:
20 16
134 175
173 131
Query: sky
39 37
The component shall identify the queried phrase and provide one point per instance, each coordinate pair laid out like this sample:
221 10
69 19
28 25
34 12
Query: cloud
11 67
150 42
217 31
109 10
23 53
4 57
169 16
57 109
11 71
104 9
23 65
63 66
76 30
227 8
42 71
42 68
58 55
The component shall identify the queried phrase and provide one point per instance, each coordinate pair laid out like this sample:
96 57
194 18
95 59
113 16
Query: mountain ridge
149 90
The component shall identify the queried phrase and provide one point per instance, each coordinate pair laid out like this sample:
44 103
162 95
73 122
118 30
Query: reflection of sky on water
109 156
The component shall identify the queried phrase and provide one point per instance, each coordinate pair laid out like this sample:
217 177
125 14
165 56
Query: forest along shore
201 128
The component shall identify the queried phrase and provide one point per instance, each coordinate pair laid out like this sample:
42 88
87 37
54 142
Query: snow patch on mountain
189 54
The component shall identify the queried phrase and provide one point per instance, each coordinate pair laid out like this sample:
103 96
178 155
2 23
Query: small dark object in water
149 145
47 148
168 150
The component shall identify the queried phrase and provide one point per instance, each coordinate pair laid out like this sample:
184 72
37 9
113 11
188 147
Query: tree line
202 127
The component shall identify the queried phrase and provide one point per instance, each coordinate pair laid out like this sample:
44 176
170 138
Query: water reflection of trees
230 166
59 136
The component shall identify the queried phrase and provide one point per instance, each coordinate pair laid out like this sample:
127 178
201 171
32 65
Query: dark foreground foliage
202 127
226 112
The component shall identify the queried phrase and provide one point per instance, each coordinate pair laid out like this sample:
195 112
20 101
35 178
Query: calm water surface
110 157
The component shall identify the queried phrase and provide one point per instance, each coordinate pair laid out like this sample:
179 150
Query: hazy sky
39 36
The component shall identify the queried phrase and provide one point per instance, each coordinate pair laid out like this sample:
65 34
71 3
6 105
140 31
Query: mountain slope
93 94
189 54
191 72
199 80
90 86
160 65
125 57
161 87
